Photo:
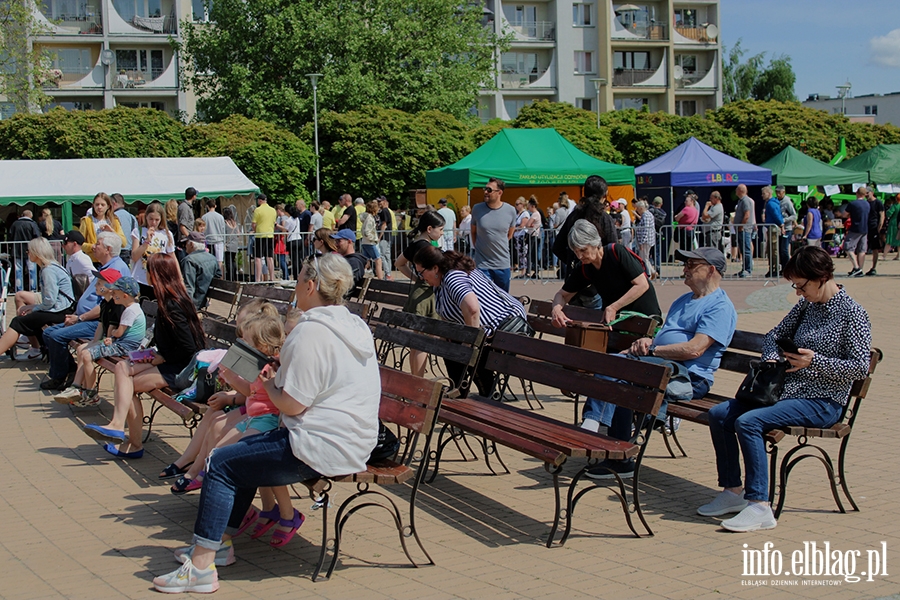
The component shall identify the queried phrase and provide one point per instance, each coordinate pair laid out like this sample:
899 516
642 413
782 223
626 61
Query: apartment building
107 53
606 55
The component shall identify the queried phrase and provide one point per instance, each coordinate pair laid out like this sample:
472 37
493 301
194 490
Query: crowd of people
313 410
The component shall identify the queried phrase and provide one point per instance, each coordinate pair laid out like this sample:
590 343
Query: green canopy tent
792 167
523 158
882 163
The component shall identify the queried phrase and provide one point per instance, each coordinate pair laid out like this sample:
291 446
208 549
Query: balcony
696 35
697 80
512 81
84 19
536 31
156 78
655 31
136 19
168 25
631 77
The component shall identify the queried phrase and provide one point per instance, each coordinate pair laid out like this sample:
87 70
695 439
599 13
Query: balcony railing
689 79
655 30
695 33
630 77
539 31
519 80
133 78
86 21
156 24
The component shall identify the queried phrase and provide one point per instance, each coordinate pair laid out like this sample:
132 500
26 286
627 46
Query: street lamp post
314 78
843 90
598 81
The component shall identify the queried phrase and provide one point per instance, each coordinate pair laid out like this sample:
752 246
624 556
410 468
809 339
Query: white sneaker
757 515
726 502
88 398
23 341
224 555
33 354
68 395
188 579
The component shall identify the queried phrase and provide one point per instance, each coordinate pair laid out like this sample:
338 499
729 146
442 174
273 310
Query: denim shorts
371 251
262 423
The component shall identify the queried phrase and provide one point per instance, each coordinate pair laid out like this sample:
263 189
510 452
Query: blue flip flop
111 448
102 434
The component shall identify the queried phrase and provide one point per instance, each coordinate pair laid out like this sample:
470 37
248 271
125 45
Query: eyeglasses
690 265
801 288
419 273
490 190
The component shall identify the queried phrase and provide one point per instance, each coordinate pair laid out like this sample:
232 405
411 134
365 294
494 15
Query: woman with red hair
177 337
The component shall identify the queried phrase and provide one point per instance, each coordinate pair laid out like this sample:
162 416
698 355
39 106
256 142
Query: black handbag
764 383
516 324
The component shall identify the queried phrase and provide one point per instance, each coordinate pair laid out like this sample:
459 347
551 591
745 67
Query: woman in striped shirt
465 295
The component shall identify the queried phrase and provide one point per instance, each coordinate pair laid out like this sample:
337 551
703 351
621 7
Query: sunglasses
490 190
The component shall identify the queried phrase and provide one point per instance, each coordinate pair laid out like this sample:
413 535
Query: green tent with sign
523 158
882 163
792 167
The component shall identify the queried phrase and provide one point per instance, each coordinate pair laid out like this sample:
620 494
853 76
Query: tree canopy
21 65
411 55
750 79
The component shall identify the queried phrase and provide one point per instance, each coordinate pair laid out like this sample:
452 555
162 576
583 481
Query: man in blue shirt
698 328
773 218
856 236
82 324
128 223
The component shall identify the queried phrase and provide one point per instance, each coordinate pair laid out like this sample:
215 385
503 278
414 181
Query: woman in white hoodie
327 389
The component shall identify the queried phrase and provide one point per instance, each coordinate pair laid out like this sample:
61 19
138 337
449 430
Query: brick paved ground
78 525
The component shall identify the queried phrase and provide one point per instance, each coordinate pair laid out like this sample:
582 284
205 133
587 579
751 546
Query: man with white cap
624 221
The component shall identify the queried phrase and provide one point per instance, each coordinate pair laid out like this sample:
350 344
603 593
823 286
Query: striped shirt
495 304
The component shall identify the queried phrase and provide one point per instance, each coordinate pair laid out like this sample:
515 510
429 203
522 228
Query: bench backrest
278 296
223 291
219 334
150 308
381 293
359 309
631 384
622 335
409 401
452 341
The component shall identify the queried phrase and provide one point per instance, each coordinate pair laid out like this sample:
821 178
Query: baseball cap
689 193
74 236
344 234
779 188
442 201
129 285
710 255
620 202
196 236
107 275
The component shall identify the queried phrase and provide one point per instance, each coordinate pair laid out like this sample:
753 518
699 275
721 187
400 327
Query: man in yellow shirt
327 216
264 237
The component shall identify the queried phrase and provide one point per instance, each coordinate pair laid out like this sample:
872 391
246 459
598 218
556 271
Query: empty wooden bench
225 292
746 347
637 386
410 403
279 296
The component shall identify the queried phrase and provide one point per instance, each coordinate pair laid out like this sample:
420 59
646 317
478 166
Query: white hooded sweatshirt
328 364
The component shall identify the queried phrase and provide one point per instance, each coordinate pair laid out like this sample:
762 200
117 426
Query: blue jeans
233 474
57 338
20 274
733 422
384 246
747 250
499 276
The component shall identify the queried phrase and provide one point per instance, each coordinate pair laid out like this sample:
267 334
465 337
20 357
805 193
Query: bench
638 386
410 403
279 296
745 347
226 292
380 293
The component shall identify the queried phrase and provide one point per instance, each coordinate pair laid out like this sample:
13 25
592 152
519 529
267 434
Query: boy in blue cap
118 341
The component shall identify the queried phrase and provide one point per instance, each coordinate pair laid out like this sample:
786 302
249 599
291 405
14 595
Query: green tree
738 78
273 158
23 68
575 124
776 82
385 151
411 55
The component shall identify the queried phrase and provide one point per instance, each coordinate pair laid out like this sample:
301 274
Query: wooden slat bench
745 347
638 386
410 403
380 293
279 296
226 292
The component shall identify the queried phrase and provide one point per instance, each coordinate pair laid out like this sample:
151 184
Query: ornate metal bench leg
636 498
558 513
148 419
674 435
773 464
412 510
435 455
528 388
324 501
843 474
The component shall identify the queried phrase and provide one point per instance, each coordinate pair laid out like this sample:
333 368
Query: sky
829 42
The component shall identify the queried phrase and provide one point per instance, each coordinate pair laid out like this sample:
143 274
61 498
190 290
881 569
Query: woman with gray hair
328 390
616 272
33 311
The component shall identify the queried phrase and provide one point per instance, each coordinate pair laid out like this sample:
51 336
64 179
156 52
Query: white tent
74 181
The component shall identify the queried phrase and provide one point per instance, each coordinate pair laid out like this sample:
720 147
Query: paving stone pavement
77 524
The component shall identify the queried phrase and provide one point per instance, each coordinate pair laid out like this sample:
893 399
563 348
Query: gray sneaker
224 555
88 398
752 518
188 579
726 502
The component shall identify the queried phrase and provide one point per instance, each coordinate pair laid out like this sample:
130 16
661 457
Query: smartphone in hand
140 355
788 345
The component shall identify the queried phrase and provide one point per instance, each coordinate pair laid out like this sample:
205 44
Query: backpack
612 248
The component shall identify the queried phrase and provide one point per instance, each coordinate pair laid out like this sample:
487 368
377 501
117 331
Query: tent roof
138 179
527 157
882 163
792 167
694 164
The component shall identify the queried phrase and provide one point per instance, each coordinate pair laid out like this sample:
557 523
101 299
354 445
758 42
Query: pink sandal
281 538
262 528
249 519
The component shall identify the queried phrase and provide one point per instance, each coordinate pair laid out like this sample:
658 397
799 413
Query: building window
584 62
128 9
154 105
685 17
6 110
137 60
685 108
514 106
687 62
636 103
70 106
872 110
585 103
75 61
632 60
581 15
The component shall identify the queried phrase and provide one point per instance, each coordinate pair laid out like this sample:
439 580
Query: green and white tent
882 163
793 167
